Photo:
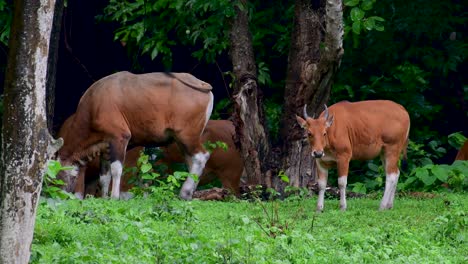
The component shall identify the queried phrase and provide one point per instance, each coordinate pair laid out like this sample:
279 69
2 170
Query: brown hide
358 131
142 109
463 152
227 165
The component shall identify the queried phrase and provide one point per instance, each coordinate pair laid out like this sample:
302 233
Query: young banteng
138 109
357 131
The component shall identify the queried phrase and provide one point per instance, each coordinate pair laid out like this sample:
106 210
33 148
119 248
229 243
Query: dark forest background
416 55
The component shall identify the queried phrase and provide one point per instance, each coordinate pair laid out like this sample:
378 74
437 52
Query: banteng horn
326 112
305 112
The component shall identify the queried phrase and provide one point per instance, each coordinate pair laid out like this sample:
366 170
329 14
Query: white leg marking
322 184
342 182
116 172
105 180
79 195
390 189
126 195
196 167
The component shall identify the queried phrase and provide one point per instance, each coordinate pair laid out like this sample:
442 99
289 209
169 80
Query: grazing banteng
357 131
463 152
152 108
227 165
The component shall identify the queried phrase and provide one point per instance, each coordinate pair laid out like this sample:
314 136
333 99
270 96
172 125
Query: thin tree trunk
314 57
26 144
52 61
248 116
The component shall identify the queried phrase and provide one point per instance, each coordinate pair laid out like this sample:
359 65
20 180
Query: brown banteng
358 131
140 109
227 165
463 152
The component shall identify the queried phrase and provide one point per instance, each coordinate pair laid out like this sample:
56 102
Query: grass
154 231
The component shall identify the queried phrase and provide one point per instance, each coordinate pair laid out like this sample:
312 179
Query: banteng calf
357 131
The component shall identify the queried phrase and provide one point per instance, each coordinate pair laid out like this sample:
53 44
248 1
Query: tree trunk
52 62
248 114
314 57
26 144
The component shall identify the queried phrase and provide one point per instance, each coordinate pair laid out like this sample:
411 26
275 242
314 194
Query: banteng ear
301 121
329 121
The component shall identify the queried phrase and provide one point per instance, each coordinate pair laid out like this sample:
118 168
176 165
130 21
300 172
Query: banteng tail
404 161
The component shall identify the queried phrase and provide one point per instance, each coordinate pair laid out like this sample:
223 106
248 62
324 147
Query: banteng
140 109
226 165
357 131
463 152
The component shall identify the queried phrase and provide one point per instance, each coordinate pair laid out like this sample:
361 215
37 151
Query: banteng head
316 130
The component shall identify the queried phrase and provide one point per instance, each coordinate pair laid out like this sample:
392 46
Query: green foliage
438 177
456 140
210 146
153 178
6 15
154 231
451 227
51 185
154 26
356 20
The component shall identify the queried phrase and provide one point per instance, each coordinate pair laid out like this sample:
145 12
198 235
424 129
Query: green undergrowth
148 230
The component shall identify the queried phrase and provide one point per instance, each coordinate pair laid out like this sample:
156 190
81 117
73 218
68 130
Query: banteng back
358 131
126 108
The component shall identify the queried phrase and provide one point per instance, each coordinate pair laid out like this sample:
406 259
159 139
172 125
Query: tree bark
314 57
248 115
52 61
26 144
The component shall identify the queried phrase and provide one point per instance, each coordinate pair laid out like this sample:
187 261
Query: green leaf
145 168
369 24
357 14
359 187
440 173
424 176
357 27
154 53
373 167
351 2
367 4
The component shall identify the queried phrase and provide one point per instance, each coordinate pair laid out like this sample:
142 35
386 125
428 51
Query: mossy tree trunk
314 57
26 144
248 114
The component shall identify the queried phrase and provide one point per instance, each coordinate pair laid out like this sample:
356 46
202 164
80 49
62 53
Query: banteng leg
196 158
117 157
322 184
392 173
196 165
343 168
80 183
105 177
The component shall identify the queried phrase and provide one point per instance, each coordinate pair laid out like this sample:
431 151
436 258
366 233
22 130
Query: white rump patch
209 108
